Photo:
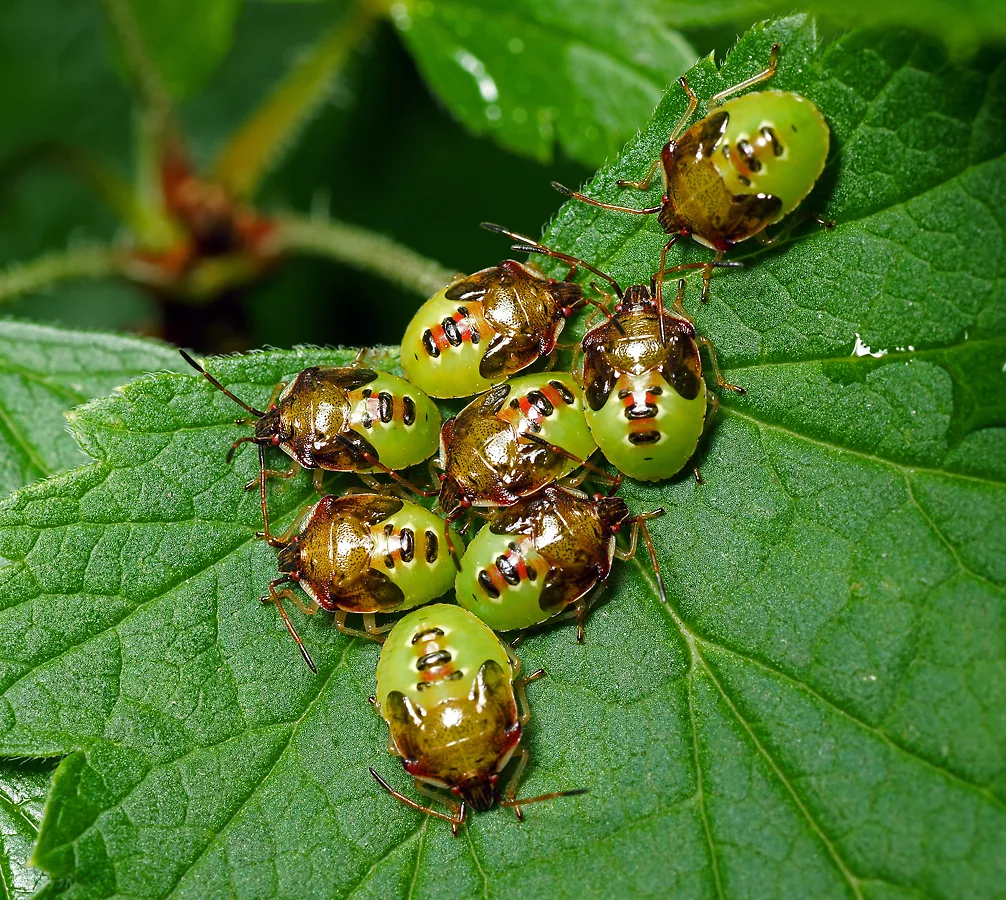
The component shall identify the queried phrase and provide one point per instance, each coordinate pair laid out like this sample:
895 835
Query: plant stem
249 154
364 250
84 262
138 61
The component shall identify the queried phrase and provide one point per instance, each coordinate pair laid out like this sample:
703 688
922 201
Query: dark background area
381 152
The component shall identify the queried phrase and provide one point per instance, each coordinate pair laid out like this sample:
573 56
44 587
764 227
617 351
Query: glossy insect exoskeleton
455 706
341 419
746 164
645 400
511 441
365 554
486 327
543 556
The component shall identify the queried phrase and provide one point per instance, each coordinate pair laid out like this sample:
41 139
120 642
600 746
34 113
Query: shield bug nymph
542 557
486 327
512 441
363 554
455 705
340 419
742 167
645 398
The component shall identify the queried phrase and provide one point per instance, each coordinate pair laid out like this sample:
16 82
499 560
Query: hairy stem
138 61
246 158
66 265
364 250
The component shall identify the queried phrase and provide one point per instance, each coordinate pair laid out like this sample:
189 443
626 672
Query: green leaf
531 74
963 26
23 786
818 711
44 372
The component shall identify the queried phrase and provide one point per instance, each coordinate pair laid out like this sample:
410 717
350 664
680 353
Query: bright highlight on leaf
816 712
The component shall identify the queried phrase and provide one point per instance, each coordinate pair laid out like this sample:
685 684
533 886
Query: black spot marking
427 635
408 540
430 345
564 392
454 676
486 583
451 331
508 570
644 437
540 402
640 411
623 395
747 151
473 331
436 658
432 547
408 410
367 393
386 406
769 135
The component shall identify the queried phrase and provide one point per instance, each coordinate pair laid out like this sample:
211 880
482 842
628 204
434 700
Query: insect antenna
542 797
408 801
255 412
530 245
614 480
645 211
372 460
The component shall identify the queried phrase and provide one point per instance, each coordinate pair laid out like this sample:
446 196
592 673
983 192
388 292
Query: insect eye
566 311
275 440
466 502
598 497
494 779
273 406
443 477
456 790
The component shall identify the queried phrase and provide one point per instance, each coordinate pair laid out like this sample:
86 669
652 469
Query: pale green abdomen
425 571
500 604
566 425
399 443
678 425
789 137
451 370
466 640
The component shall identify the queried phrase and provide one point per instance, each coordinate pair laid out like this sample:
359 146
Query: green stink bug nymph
486 327
340 419
746 164
543 556
364 554
455 707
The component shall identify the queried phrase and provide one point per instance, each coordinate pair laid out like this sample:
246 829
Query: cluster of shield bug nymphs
518 455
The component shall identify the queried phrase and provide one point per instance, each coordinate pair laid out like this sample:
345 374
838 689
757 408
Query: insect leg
514 780
374 631
277 598
693 103
639 527
454 821
764 75
273 473
520 695
717 375
644 183
340 623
